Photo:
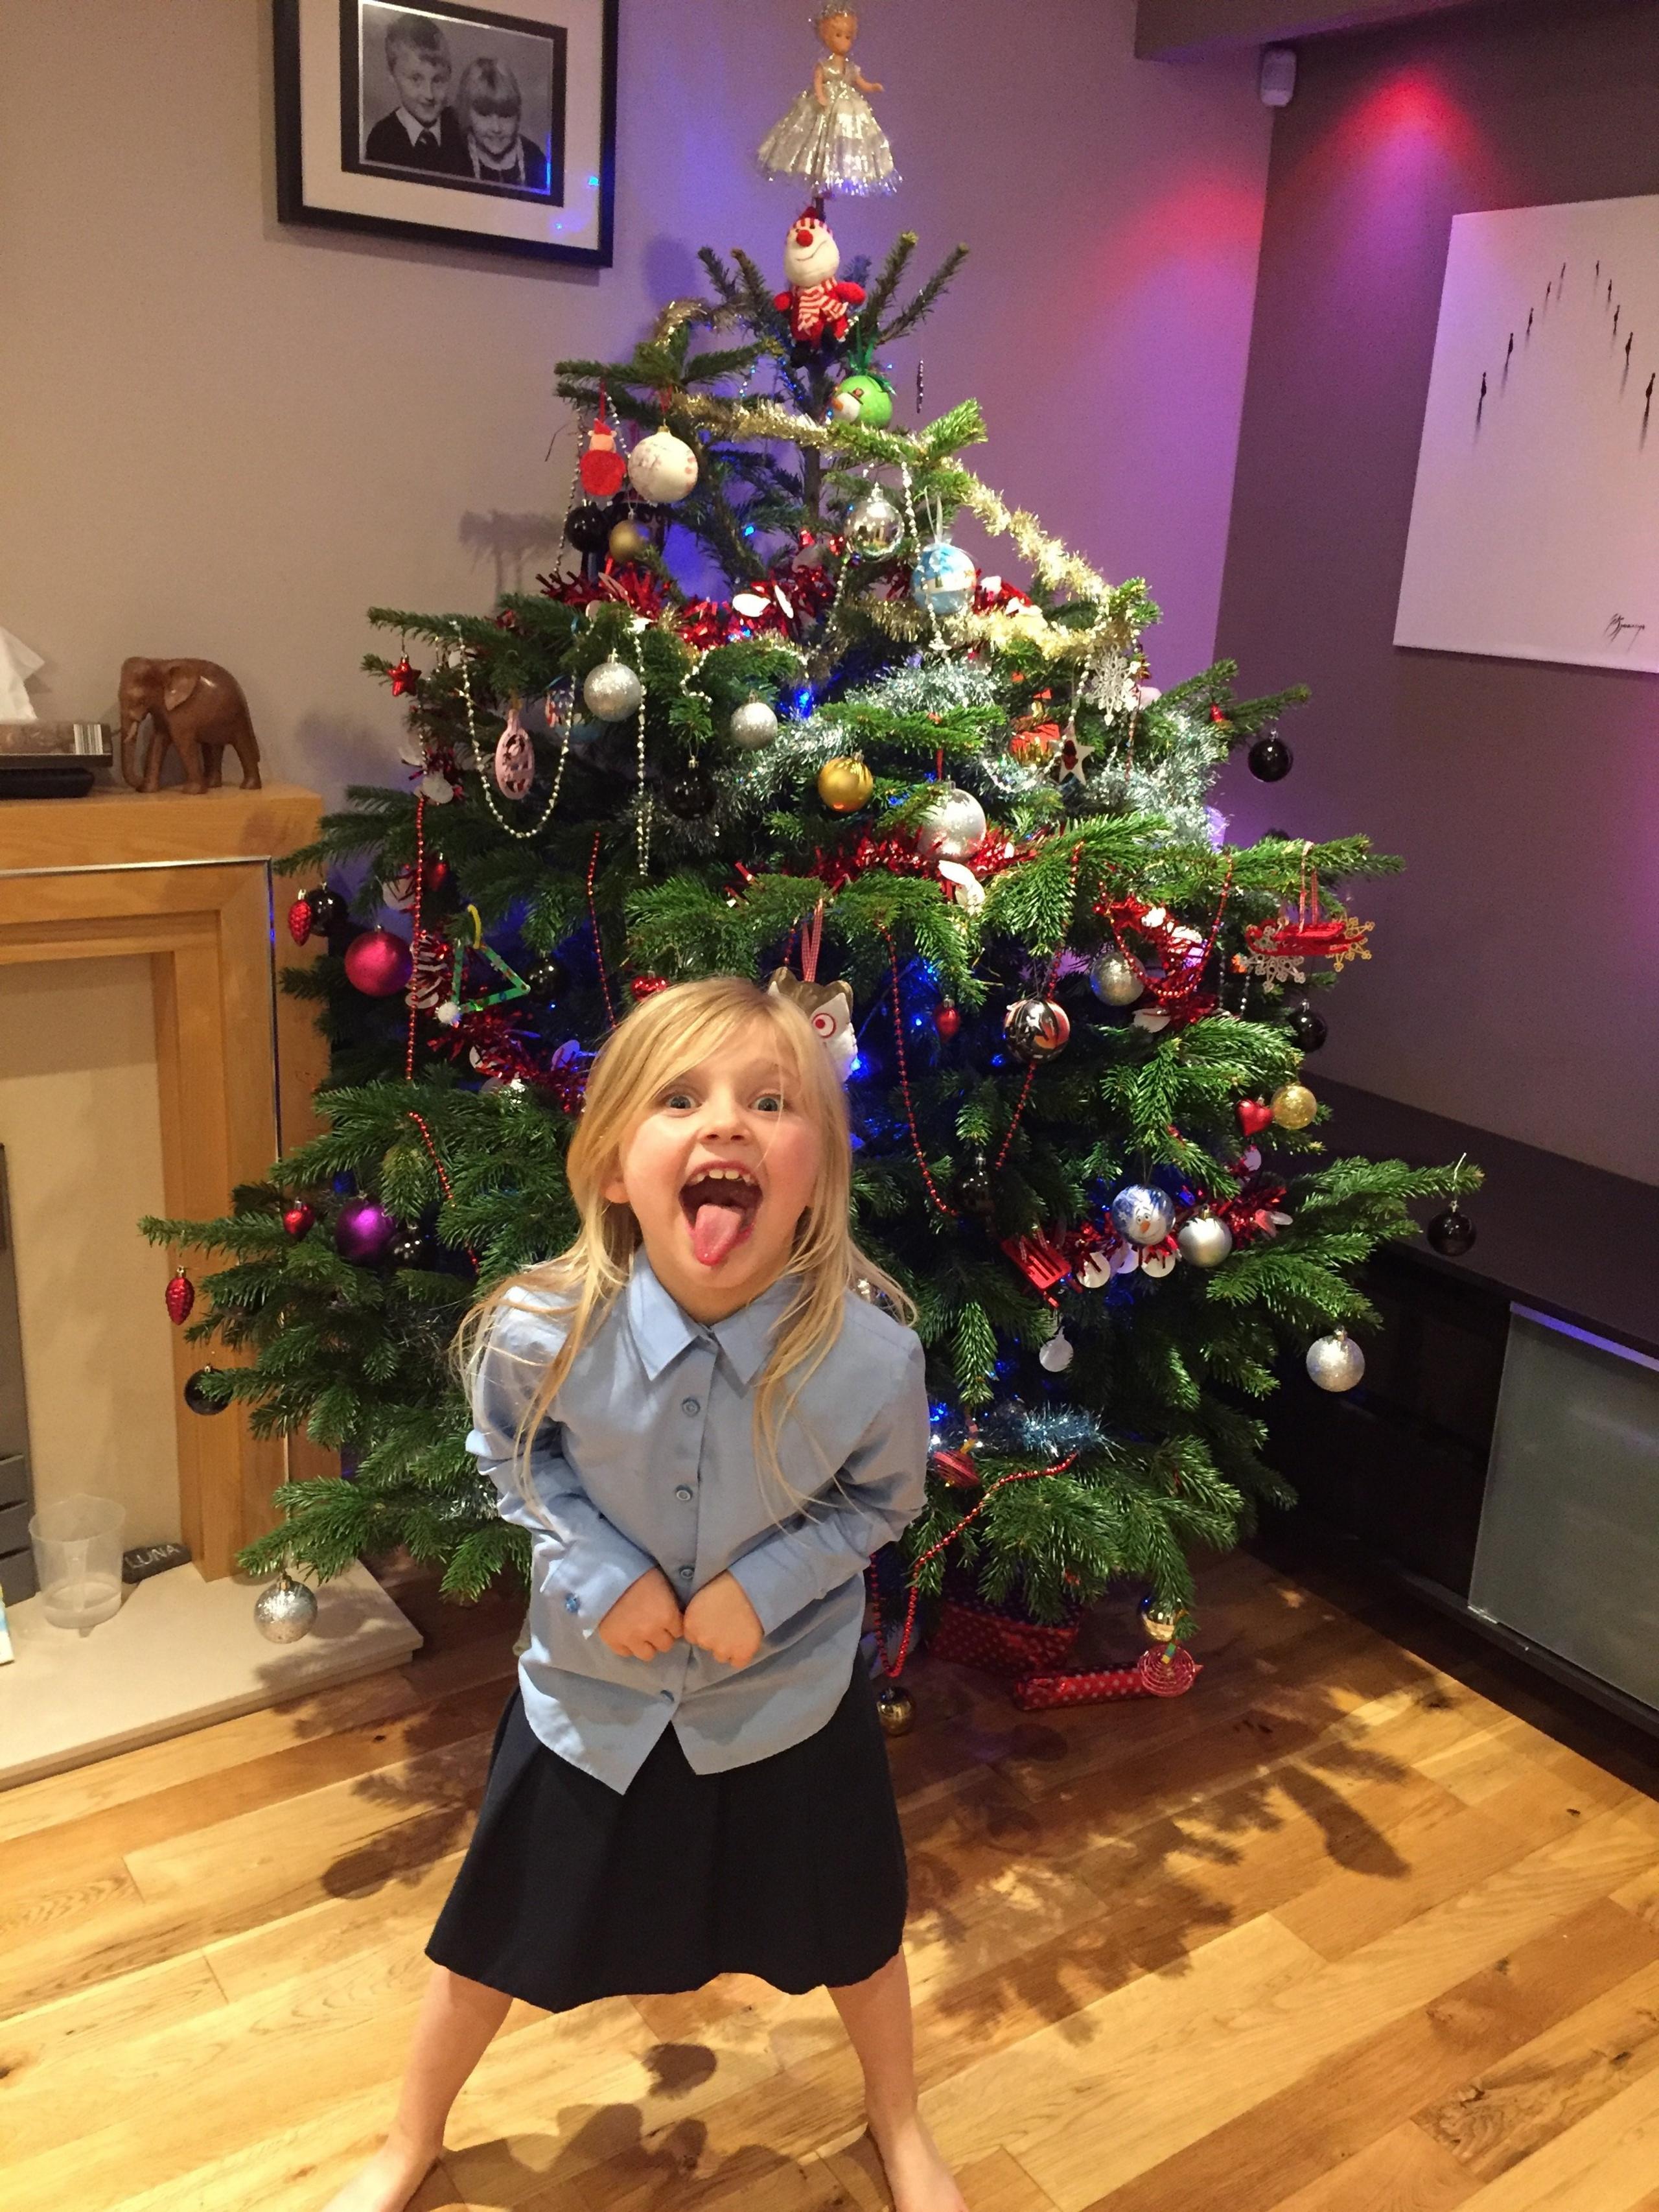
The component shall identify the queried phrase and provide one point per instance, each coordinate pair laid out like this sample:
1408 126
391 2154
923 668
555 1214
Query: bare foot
918 2177
388 2182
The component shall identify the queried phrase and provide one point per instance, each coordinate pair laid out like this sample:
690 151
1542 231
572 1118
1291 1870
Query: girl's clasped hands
647 1620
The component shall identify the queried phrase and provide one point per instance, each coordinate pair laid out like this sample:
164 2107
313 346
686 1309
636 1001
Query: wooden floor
1336 1932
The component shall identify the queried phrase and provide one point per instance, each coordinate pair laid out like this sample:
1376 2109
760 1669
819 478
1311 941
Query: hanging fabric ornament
301 920
952 828
602 468
1143 1213
1294 1106
1204 1240
942 581
1057 1355
516 758
612 691
845 785
826 1007
1335 1362
818 307
663 468
180 1297
377 964
874 524
1113 979
753 726
1036 1029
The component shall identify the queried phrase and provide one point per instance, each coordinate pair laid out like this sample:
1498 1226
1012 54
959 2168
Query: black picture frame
339 167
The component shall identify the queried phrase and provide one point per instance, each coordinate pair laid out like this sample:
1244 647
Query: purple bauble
378 963
363 1232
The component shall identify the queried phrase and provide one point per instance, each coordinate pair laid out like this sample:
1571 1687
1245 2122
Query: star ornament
1069 758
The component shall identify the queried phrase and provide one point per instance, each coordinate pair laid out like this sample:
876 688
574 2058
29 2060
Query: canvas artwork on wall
1534 529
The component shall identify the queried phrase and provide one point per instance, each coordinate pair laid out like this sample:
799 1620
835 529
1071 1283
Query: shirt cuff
587 1588
771 1586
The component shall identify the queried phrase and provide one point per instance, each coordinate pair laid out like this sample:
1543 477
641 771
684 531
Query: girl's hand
645 1620
720 1620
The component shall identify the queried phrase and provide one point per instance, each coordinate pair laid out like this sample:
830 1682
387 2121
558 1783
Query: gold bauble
895 1708
1160 1627
1294 1105
844 786
627 541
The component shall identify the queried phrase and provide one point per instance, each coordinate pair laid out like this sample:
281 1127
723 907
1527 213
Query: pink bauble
363 1232
378 963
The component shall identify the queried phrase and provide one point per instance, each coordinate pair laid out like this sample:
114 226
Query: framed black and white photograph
493 127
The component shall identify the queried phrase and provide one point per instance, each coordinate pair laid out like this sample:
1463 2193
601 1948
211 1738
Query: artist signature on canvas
1620 630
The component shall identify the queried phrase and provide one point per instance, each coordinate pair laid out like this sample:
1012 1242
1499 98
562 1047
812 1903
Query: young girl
489 105
707 1431
830 140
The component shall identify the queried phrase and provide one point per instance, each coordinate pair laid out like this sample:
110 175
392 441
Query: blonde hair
660 1041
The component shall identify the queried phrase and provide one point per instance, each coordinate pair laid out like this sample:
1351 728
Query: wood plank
1328 2115
1400 2172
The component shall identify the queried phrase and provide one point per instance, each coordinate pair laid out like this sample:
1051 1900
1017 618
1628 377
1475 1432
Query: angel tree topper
817 305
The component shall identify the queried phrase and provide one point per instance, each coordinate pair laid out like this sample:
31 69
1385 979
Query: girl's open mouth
720 1205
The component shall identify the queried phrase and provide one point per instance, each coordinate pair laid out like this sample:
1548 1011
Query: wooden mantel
186 880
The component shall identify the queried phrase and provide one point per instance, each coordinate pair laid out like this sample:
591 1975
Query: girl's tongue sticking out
719 1206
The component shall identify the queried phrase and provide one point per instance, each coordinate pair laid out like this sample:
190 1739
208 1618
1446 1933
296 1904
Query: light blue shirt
650 1461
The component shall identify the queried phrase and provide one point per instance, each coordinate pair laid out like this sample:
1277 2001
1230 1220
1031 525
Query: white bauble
752 726
285 1612
662 468
874 524
1058 1353
952 828
942 582
1204 1240
612 691
1113 979
1335 1362
1143 1213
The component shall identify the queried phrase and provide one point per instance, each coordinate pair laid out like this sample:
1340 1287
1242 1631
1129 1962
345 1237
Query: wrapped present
980 1635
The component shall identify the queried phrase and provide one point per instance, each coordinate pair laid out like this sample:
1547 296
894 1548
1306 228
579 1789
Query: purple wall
1514 983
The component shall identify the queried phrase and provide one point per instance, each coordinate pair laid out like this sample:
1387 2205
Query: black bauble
973 1191
328 908
1451 1233
1271 760
691 795
408 1249
548 981
197 1399
588 527
1306 1027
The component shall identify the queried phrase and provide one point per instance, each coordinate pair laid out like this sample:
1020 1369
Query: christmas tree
947 813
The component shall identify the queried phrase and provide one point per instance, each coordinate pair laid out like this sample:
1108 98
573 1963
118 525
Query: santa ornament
602 469
817 305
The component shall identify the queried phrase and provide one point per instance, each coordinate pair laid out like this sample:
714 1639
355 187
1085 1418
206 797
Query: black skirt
790 1868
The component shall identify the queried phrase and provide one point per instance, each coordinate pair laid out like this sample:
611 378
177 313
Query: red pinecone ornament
180 1297
301 920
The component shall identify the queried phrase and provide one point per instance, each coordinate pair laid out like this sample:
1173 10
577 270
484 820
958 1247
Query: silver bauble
1113 980
1143 1214
285 1612
662 468
612 691
753 724
874 524
1204 1240
952 828
1335 1362
1058 1353
942 582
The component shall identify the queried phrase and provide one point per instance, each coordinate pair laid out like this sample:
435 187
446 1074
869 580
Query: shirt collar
417 130
662 1329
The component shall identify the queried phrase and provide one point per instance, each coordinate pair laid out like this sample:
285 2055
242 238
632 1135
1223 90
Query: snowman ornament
817 305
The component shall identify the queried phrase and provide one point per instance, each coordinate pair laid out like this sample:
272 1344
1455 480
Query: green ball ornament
874 396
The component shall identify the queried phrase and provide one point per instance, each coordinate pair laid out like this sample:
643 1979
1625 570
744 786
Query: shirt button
669 1694
686 1573
573 1605
690 1405
685 1493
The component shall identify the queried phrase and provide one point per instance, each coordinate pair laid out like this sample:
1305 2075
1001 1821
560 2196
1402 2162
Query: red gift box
977 1634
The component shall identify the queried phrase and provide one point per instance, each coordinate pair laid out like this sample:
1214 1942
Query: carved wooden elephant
195 706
